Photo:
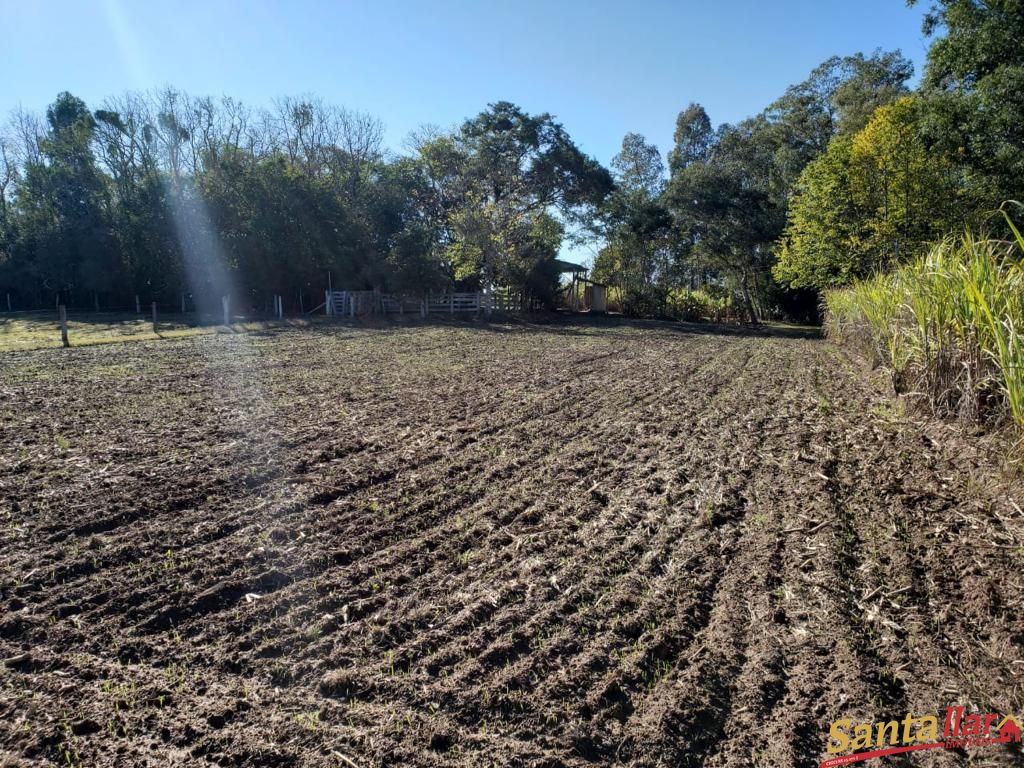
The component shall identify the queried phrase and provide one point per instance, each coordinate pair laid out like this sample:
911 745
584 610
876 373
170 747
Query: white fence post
451 303
154 318
63 311
327 303
225 302
138 306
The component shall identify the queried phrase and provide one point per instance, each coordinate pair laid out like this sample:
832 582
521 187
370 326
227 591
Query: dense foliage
931 163
846 174
715 224
167 195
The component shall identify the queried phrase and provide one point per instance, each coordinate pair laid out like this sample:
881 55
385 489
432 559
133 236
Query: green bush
700 304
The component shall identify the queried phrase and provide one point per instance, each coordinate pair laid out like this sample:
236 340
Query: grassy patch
41 330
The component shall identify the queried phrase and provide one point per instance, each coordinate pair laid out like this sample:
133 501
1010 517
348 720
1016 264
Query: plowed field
564 545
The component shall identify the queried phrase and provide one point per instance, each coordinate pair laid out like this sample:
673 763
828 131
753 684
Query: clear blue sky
602 68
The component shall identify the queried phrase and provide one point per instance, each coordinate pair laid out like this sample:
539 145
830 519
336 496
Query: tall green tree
838 98
725 216
636 255
141 216
692 140
63 206
974 81
508 184
730 189
872 200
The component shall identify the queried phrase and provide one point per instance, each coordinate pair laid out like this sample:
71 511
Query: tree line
847 173
166 194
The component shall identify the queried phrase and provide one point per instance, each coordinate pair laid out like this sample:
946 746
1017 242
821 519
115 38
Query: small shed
595 295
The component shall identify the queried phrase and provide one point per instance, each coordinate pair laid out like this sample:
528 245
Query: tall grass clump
949 326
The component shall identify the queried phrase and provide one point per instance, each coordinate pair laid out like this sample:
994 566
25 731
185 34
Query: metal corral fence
356 303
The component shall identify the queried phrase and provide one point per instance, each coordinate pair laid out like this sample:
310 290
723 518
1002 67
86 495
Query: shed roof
568 266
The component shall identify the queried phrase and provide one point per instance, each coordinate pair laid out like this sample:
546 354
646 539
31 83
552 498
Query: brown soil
617 544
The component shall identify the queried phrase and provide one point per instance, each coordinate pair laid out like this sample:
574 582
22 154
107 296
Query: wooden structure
582 294
359 303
